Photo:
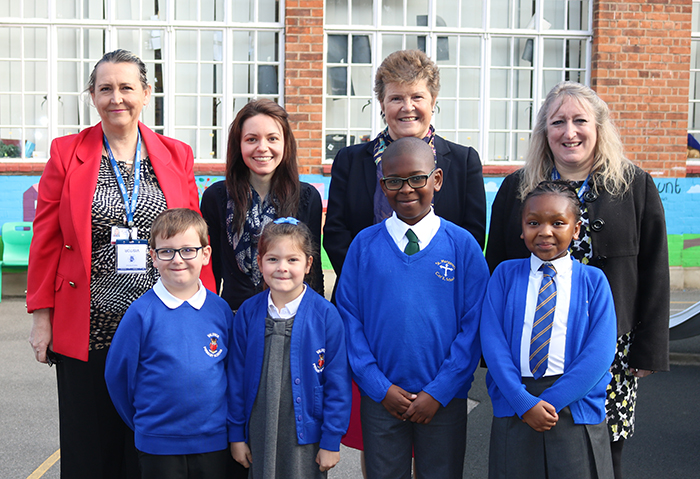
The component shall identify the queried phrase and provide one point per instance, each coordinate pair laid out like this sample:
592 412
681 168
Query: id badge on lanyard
131 253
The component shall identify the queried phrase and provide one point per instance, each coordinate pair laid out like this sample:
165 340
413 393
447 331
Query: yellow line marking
46 465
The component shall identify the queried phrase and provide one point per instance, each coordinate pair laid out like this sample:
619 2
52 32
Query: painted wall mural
680 196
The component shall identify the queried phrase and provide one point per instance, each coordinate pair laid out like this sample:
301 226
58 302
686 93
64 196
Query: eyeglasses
168 254
394 183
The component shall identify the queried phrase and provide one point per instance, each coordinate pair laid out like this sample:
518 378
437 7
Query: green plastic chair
16 238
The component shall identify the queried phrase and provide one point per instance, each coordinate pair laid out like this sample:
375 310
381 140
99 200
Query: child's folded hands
541 417
397 401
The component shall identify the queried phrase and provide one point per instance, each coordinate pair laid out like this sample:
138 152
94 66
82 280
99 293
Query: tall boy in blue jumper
168 368
410 296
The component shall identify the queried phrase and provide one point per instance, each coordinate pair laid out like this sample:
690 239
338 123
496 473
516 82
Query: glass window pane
361 83
550 78
336 12
472 14
69 108
186 108
211 76
392 12
444 117
40 138
186 45
35 76
500 13
448 82
500 111
553 54
576 53
469 83
11 80
500 83
555 14
360 113
185 10
498 146
129 39
212 42
470 51
523 114
390 44
10 109
416 10
521 142
68 75
242 46
361 49
268 46
336 113
210 111
268 84
268 10
447 12
469 138
65 10
523 84
362 12
189 136
185 78
500 52
578 15
469 114
35 42
242 78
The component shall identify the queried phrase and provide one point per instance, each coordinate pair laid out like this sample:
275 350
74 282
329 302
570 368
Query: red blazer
61 249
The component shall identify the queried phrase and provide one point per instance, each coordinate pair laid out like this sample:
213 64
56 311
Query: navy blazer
630 245
351 196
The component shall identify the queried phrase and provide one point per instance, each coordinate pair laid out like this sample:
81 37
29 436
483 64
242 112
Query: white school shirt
425 229
288 311
171 302
557 343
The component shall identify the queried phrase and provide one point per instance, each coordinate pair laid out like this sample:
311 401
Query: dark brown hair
284 186
175 221
299 233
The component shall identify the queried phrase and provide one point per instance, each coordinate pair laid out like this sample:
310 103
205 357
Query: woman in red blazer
74 292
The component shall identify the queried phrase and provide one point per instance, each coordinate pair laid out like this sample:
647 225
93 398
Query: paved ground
665 445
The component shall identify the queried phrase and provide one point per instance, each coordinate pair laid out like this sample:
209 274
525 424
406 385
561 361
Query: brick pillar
303 85
640 67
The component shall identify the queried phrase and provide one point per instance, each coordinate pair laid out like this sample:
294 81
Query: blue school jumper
413 320
167 372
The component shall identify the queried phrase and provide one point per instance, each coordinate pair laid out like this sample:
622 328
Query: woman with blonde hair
623 233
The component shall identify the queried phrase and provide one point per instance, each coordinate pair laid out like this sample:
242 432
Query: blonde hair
611 170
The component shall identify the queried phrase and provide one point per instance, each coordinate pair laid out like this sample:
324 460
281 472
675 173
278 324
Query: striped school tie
542 325
412 246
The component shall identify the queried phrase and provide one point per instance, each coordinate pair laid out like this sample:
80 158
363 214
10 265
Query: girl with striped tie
548 332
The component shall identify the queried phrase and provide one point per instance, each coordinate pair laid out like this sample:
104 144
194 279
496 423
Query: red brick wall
303 73
640 67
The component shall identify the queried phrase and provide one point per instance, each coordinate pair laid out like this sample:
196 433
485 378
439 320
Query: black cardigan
351 195
629 241
237 286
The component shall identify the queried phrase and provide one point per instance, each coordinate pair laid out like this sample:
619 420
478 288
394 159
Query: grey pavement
665 445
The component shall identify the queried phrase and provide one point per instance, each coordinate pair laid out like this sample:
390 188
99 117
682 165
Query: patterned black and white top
112 293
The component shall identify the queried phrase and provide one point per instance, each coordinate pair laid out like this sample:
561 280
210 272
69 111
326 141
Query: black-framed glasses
394 183
168 254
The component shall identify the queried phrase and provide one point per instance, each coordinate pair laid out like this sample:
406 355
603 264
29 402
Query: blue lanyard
129 206
581 191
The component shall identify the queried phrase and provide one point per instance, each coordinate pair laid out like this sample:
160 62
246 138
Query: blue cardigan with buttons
319 367
589 351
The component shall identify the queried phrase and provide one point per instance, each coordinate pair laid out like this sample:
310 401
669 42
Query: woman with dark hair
76 289
623 233
262 184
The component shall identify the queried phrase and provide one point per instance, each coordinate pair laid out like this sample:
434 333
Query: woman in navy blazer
67 236
407 84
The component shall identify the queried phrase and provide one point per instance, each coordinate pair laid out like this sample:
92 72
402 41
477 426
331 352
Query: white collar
288 311
561 265
196 301
425 229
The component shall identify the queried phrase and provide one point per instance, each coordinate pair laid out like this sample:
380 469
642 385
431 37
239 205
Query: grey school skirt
565 451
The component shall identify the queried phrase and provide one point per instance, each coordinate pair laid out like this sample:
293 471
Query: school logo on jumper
212 349
321 361
445 270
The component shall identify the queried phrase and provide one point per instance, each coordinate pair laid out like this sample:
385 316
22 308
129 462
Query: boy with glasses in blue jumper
168 368
410 296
